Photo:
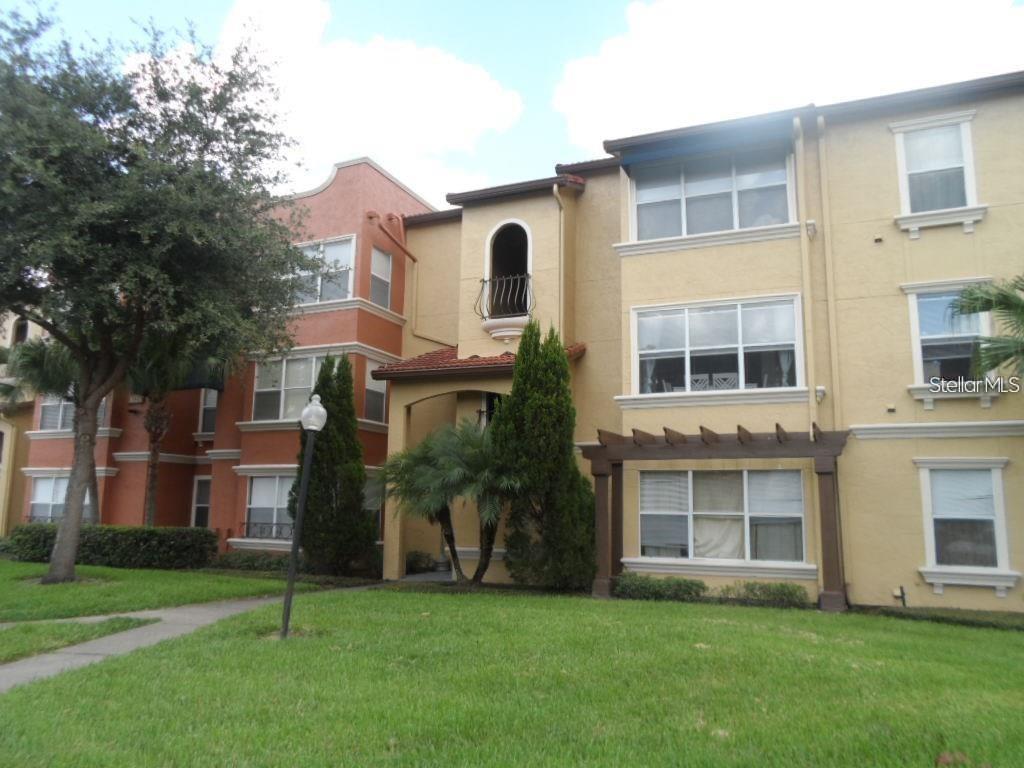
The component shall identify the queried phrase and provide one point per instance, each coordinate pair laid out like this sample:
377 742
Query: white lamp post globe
314 415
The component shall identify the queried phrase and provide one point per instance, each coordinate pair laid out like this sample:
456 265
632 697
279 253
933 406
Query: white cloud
416 110
684 62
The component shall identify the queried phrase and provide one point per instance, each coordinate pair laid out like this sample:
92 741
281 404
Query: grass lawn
30 639
412 679
114 590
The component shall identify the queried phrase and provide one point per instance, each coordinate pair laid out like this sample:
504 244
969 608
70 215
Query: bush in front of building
121 546
338 533
634 586
239 560
418 562
774 594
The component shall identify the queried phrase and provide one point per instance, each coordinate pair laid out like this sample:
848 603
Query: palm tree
161 368
40 367
452 462
1005 301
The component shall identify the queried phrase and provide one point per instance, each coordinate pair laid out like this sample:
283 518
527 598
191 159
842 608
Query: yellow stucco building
758 316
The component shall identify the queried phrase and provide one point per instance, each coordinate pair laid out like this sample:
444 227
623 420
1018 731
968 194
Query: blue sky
463 94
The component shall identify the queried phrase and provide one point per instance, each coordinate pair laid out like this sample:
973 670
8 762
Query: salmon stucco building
229 458
768 377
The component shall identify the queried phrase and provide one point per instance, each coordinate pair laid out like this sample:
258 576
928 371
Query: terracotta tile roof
446 362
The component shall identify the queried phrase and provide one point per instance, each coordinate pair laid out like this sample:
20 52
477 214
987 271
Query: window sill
202 437
262 545
713 397
373 426
270 425
727 237
968 216
60 434
353 302
940 576
927 396
707 567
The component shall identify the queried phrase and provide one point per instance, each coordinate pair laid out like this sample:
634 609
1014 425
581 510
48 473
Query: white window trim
722 566
280 420
319 277
920 389
1000 578
721 396
711 238
278 477
195 495
967 215
59 474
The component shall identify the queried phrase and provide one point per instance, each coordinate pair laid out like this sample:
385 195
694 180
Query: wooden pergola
607 456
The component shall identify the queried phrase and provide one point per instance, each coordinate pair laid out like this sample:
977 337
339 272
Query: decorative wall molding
506 328
945 429
65 434
165 458
733 568
728 237
943 286
65 471
932 121
965 462
224 454
257 470
203 437
373 426
927 396
269 425
261 545
355 302
968 216
351 347
713 397
942 576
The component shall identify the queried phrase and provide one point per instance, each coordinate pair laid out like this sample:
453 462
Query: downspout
805 275
830 277
561 260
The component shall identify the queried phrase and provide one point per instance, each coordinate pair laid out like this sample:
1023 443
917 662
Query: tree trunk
488 532
157 422
445 519
62 559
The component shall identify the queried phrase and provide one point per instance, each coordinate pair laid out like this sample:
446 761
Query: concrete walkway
171 622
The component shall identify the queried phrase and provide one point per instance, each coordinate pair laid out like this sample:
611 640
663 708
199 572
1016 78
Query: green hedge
122 546
241 560
633 586
775 594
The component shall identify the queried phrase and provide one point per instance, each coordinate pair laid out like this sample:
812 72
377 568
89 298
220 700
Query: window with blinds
964 517
723 515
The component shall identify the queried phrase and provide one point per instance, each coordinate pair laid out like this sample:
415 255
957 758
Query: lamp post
313 418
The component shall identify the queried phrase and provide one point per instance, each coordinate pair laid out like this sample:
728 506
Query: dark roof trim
588 166
433 217
981 86
448 372
769 120
520 188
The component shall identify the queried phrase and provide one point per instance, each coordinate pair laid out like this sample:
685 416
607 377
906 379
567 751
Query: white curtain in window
720 537
717 492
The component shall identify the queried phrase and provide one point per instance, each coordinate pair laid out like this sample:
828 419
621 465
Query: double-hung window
375 395
283 387
335 281
47 505
964 517
734 346
208 410
58 413
948 341
267 512
201 502
936 165
380 278
722 515
713 194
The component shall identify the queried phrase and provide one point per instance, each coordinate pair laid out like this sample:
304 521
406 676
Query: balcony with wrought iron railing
505 304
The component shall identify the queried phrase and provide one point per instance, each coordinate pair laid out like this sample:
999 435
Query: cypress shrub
336 530
634 586
550 532
121 546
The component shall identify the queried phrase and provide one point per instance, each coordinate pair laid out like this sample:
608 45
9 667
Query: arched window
19 332
508 287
